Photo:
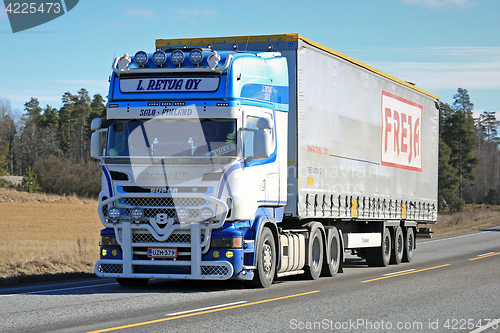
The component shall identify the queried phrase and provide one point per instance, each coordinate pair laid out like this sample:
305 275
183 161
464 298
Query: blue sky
439 45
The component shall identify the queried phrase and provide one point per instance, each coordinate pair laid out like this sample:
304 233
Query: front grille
175 238
214 270
163 201
111 268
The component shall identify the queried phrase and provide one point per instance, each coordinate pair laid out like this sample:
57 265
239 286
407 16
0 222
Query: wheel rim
267 258
400 244
334 253
387 246
410 242
316 252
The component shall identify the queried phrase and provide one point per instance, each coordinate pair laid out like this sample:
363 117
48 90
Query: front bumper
160 229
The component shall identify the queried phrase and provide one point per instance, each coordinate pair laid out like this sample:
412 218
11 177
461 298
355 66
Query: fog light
104 252
114 252
136 213
216 254
229 254
206 214
114 214
182 214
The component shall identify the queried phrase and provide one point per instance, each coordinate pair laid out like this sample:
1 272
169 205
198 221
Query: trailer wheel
398 246
315 254
380 256
333 253
266 260
409 245
132 282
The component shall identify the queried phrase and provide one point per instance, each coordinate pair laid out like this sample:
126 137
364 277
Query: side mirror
262 139
96 124
96 144
264 123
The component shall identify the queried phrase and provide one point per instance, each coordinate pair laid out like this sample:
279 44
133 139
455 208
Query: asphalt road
452 285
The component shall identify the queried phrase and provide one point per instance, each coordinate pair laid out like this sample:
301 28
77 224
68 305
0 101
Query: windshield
172 137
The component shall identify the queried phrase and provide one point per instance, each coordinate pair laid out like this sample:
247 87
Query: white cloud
143 13
441 3
192 15
119 25
439 67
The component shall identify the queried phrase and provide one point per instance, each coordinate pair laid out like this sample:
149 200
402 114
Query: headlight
206 214
159 57
136 213
196 56
182 214
108 241
227 242
177 57
141 58
114 214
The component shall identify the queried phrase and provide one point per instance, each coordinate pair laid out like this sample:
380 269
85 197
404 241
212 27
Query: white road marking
485 254
204 309
408 270
62 289
485 327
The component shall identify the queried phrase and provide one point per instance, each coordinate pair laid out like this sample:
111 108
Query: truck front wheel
266 260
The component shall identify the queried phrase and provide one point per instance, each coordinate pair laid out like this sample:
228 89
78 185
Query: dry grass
44 235
475 217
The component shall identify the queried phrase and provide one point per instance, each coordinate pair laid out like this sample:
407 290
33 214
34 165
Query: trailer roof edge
281 38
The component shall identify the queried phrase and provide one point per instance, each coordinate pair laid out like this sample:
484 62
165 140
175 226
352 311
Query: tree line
54 145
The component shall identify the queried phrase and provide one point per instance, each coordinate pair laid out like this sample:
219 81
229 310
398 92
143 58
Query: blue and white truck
253 158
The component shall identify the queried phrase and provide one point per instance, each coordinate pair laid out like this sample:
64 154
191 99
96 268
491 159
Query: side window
250 123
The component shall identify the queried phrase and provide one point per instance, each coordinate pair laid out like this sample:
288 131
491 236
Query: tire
380 256
132 282
409 245
398 246
333 255
315 251
266 260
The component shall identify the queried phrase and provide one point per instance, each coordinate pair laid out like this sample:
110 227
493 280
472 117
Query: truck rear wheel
315 254
132 282
381 255
409 245
266 260
397 246
333 253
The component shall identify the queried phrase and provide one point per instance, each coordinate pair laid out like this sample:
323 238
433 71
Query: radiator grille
111 268
214 270
162 201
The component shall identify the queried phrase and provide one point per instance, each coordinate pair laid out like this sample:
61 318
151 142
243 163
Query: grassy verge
48 237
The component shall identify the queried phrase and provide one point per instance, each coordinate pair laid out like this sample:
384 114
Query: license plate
162 252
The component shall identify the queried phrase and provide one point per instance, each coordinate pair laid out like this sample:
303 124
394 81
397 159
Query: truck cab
194 155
